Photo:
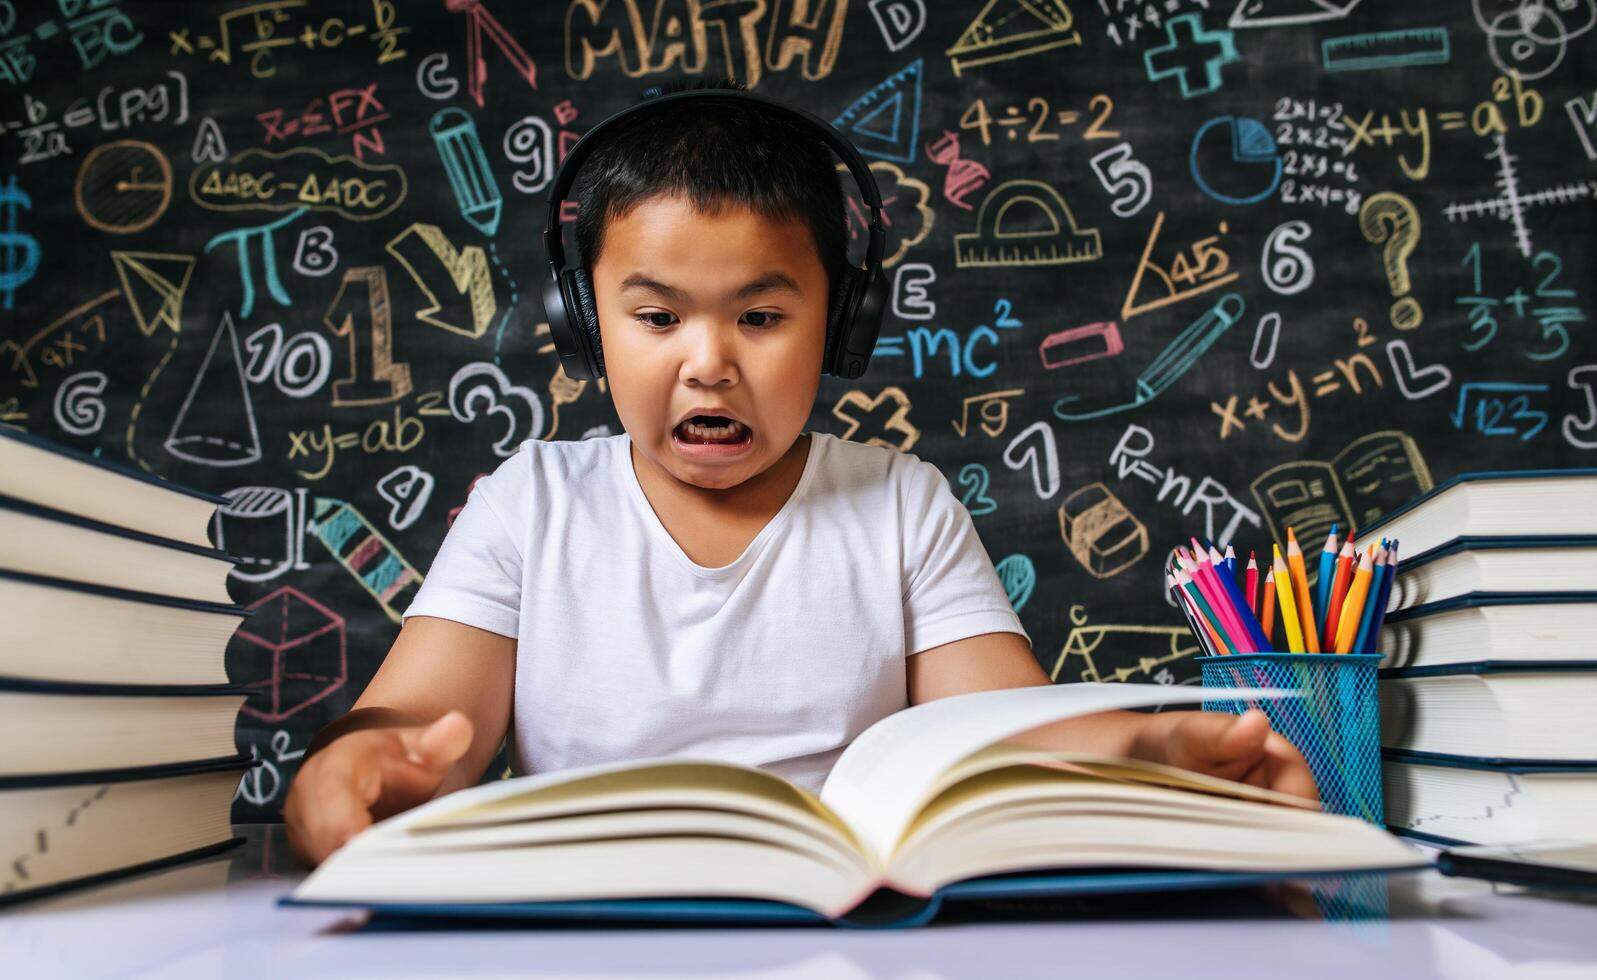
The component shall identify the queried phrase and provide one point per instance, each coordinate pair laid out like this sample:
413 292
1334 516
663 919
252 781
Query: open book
926 797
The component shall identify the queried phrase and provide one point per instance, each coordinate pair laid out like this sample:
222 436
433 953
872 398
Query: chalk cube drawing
292 653
1098 529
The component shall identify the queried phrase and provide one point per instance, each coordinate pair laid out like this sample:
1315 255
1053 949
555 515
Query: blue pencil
1322 597
1363 639
1386 593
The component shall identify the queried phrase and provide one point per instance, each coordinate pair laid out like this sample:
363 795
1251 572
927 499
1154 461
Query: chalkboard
1159 268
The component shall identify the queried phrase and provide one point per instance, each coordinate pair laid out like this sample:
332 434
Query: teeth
733 430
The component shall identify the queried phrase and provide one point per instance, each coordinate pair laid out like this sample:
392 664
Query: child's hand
1239 747
367 775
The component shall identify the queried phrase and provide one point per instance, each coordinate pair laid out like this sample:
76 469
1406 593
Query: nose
710 359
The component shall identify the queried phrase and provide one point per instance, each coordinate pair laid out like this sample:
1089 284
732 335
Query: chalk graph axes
1510 204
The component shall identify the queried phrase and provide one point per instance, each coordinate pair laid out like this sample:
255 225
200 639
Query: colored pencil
1188 611
1253 583
1209 586
1385 598
1338 595
1323 583
1257 641
1268 602
1188 584
1303 607
1231 561
1362 640
1353 606
1289 616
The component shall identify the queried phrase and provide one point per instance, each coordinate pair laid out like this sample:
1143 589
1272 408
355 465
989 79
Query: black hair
717 154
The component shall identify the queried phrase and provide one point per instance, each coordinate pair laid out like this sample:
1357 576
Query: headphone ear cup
839 313
586 313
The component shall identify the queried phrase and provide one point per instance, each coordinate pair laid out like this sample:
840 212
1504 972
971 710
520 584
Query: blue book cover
884 909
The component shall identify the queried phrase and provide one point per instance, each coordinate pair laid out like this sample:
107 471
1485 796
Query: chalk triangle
885 122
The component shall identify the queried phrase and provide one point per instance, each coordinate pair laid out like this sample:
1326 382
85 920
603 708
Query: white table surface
217 918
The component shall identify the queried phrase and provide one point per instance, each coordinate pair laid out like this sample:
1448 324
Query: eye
768 320
644 318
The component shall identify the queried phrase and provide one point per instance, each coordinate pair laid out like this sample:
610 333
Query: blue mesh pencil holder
1336 724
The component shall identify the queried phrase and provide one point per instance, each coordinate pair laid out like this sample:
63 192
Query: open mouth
716 430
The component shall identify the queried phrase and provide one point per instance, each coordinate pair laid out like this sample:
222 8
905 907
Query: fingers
1290 773
366 776
329 802
438 745
1243 738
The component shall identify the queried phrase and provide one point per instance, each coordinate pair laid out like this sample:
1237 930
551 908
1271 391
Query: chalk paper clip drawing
1234 159
363 551
154 284
1186 42
1007 29
885 122
1372 475
290 654
887 415
1145 651
1023 223
1171 363
1101 531
264 528
215 426
1286 13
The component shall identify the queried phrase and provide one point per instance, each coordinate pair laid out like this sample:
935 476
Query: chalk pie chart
1234 159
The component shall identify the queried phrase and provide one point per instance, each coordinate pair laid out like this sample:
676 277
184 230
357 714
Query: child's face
678 336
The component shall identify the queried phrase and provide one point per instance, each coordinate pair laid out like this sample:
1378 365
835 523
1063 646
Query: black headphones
854 315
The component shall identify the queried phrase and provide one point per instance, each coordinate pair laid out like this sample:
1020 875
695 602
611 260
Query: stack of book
1489 681
116 718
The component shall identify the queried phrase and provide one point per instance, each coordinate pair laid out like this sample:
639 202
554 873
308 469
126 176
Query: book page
887 773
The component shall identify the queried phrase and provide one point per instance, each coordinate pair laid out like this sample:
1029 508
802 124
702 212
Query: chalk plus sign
1189 49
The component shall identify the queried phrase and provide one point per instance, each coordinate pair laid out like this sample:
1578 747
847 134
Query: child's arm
1230 746
429 723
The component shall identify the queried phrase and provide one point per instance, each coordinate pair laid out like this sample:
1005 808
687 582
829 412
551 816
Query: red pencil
1268 619
1253 584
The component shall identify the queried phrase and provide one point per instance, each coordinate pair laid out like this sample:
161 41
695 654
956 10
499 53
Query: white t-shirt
627 648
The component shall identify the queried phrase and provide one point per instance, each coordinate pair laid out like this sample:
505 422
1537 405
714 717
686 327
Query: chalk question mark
1392 218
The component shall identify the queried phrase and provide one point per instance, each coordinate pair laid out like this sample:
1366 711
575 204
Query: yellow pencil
1353 605
1305 608
1284 597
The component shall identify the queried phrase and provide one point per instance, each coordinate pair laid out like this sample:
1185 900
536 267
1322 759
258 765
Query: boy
714 581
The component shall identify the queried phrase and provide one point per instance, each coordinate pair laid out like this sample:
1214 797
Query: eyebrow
769 282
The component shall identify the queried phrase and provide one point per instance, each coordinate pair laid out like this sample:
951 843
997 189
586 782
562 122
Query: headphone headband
566 176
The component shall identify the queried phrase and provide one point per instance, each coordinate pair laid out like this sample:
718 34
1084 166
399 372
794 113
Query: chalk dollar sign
19 251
